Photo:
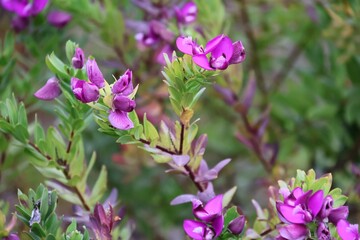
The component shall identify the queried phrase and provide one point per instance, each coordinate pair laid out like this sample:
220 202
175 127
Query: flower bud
94 74
236 226
78 59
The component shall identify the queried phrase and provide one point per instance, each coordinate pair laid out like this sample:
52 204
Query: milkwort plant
303 208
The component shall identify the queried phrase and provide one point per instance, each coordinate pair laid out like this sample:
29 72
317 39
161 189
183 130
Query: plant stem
180 152
39 151
158 147
255 62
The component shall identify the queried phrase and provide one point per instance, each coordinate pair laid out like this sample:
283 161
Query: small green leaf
70 50
99 187
149 130
228 196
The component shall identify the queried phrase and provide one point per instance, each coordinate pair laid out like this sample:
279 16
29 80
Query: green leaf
353 69
70 50
161 158
44 203
230 215
196 97
72 227
149 130
228 196
99 187
56 65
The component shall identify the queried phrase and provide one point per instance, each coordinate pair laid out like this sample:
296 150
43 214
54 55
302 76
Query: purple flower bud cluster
299 210
218 53
122 104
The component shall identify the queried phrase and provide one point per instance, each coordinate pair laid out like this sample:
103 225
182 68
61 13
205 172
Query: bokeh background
303 54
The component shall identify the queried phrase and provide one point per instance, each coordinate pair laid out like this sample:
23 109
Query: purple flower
84 91
124 84
94 74
300 207
348 231
49 91
218 53
59 19
122 104
211 219
24 8
236 226
187 14
78 58
102 221
331 213
297 210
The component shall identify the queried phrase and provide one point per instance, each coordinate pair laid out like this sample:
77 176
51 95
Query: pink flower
218 53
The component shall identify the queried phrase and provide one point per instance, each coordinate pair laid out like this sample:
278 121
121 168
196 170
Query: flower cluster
300 211
25 9
218 53
122 103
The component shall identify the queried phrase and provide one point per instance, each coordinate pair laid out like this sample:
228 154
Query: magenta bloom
49 91
122 104
24 8
124 84
94 74
218 53
59 19
348 231
297 210
187 14
78 58
211 219
333 214
84 91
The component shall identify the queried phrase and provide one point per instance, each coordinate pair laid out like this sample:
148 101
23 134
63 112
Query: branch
255 62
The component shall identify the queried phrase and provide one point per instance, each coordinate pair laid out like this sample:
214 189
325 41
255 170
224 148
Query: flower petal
49 91
185 44
294 232
223 49
239 53
218 224
213 43
94 74
123 103
215 205
120 120
315 202
194 229
289 214
202 61
124 84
